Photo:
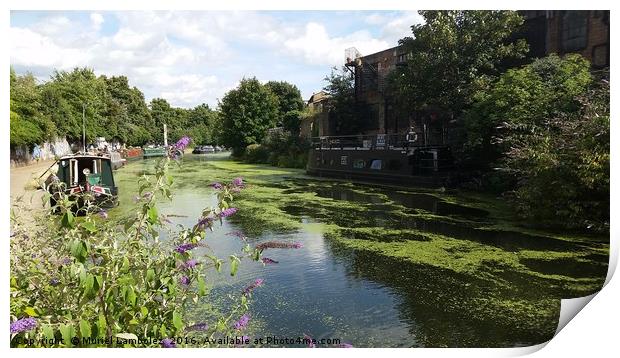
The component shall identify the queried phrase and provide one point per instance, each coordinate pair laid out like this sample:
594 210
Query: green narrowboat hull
154 152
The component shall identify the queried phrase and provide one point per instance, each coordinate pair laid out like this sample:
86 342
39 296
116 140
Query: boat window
359 164
344 159
73 171
375 164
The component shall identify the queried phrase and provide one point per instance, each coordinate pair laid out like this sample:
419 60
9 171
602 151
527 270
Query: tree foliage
346 115
109 107
452 56
554 137
247 112
524 97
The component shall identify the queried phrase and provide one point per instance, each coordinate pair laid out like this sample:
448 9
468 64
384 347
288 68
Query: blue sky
194 57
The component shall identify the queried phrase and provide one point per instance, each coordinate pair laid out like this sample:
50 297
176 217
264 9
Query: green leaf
101 325
177 321
202 287
67 331
127 336
48 331
89 226
234 264
85 328
144 311
152 215
30 312
150 275
68 220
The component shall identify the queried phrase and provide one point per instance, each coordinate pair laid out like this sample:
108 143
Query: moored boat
87 179
150 152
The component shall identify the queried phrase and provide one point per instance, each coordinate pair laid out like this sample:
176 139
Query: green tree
247 112
452 56
67 94
28 125
345 113
127 112
552 133
524 97
289 99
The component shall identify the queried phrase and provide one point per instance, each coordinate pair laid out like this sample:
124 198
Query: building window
574 30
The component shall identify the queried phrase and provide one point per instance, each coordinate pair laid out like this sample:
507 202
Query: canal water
380 266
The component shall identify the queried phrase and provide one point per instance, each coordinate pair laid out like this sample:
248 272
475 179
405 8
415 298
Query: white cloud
97 20
317 47
176 55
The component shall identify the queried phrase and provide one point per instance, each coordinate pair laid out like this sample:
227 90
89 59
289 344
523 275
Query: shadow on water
447 309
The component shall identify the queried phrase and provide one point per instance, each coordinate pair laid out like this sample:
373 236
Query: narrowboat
380 157
150 152
203 149
86 178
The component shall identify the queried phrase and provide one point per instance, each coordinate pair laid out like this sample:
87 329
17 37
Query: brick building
558 31
568 31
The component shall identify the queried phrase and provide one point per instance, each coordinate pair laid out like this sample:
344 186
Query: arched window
574 30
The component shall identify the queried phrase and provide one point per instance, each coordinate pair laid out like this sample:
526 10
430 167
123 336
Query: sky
195 57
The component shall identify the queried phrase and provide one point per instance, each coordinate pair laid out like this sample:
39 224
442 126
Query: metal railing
373 142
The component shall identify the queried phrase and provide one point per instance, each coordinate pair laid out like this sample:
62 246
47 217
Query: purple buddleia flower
147 195
242 322
189 264
67 261
204 222
257 283
216 186
238 182
168 343
198 327
54 282
103 214
182 143
184 280
267 260
345 345
183 248
278 245
23 325
228 212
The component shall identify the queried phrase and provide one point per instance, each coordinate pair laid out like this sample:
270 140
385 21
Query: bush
97 277
256 153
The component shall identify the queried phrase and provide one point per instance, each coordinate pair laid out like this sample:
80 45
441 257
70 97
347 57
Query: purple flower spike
228 212
23 325
168 343
190 264
242 322
183 248
267 260
54 282
257 283
182 143
216 186
238 182
184 280
103 214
